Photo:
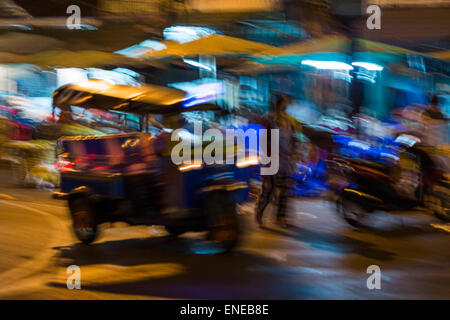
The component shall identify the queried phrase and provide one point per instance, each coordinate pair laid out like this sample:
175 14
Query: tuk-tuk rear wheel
352 212
224 228
226 238
83 220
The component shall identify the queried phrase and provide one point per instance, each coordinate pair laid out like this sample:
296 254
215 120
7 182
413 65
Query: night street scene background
199 149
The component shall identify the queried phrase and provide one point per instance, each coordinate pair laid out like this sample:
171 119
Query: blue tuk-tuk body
130 177
100 163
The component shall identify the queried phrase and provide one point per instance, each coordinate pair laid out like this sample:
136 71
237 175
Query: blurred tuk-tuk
130 177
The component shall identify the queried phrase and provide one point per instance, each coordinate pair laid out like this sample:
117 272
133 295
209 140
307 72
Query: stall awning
325 44
79 59
73 59
335 48
442 55
212 45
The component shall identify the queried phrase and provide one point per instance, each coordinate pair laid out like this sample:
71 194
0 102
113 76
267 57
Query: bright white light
70 75
185 30
327 65
153 44
197 64
407 139
389 155
117 76
359 144
142 48
184 34
203 93
368 66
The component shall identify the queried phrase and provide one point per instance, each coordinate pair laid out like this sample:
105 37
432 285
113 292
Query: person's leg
283 187
265 197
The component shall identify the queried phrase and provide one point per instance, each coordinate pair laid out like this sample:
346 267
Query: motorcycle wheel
408 176
83 220
352 212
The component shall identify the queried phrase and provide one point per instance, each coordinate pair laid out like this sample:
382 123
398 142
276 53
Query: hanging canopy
324 44
139 100
79 59
72 59
335 48
380 47
23 43
443 55
214 44
10 58
325 48
337 44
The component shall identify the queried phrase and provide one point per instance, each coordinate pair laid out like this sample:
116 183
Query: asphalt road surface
323 258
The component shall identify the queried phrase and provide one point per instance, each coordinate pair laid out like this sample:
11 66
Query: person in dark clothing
288 128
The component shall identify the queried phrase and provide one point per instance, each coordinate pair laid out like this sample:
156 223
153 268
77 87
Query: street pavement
322 258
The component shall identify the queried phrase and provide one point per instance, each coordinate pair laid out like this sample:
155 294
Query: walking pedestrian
281 181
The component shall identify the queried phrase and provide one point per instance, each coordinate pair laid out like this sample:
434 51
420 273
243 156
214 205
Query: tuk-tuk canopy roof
139 100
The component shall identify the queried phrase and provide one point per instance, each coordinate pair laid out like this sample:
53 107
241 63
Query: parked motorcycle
400 175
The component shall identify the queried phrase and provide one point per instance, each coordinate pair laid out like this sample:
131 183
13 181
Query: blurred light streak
20 26
142 48
196 64
189 167
368 66
327 65
183 34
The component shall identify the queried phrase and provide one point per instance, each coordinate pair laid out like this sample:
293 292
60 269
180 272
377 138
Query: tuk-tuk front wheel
226 236
83 220
352 212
